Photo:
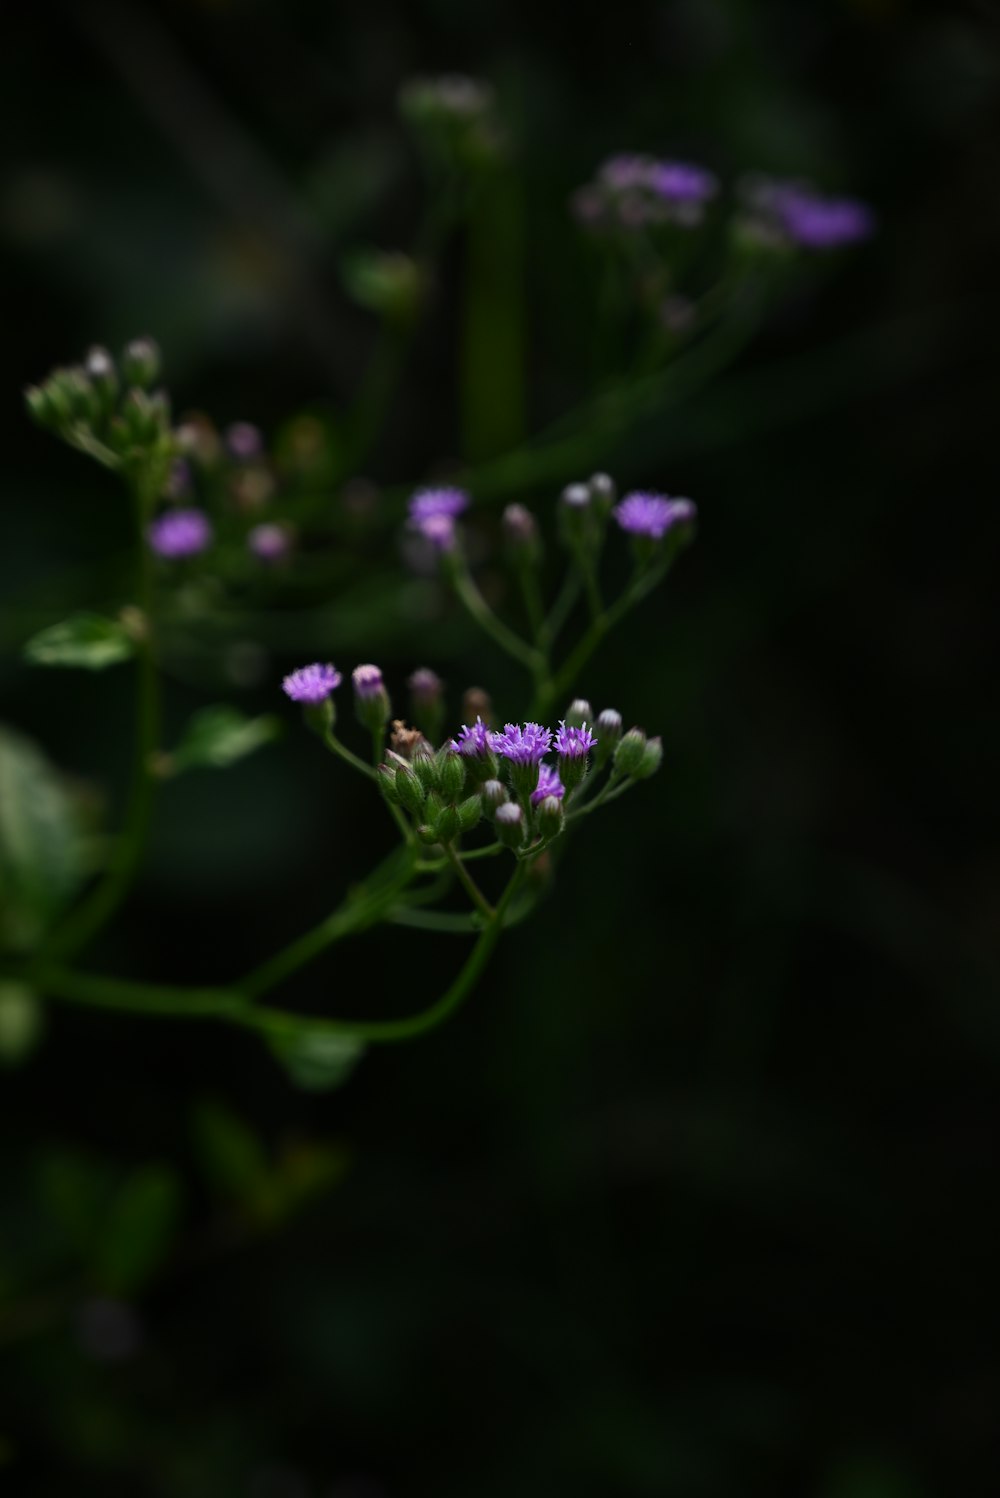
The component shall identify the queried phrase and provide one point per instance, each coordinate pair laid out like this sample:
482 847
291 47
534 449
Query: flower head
179 533
819 223
472 741
243 441
268 542
681 182
439 530
428 502
574 743
549 784
651 515
367 681
312 684
632 191
425 684
522 746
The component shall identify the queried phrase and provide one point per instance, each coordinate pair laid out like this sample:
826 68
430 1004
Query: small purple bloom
243 441
425 685
522 746
269 543
681 182
367 682
819 223
311 684
549 784
509 814
574 743
179 533
439 530
651 515
426 503
472 741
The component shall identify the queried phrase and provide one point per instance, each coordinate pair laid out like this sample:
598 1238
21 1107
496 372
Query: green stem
332 742
467 882
480 611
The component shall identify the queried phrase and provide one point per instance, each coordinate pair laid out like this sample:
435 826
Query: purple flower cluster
472 741
312 684
179 533
549 784
574 743
522 746
632 191
426 503
652 515
799 213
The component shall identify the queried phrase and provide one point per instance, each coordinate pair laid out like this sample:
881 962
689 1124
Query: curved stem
479 609
332 742
467 882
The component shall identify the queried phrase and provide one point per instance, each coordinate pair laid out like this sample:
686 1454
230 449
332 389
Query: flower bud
451 774
141 363
100 368
477 703
426 701
494 794
427 835
387 782
651 759
603 492
40 407
510 824
426 768
469 812
609 731
521 533
371 700
630 752
551 817
446 824
409 790
578 713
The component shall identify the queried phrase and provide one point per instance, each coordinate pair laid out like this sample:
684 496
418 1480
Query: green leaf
138 1230
219 736
21 1023
87 640
234 1160
41 861
317 1060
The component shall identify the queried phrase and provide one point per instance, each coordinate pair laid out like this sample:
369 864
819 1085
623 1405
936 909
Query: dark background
696 1197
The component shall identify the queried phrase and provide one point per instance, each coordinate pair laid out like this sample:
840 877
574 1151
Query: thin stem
488 622
467 882
102 902
332 742
364 908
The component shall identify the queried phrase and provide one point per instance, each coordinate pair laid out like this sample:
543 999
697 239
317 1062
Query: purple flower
549 784
574 743
179 533
269 543
425 685
243 441
681 182
472 741
426 503
311 684
522 746
651 515
819 223
439 530
367 682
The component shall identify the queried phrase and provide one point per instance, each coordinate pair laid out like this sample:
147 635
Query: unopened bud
609 731
387 782
603 492
510 824
652 759
551 817
477 703
371 700
494 794
469 812
579 713
521 532
576 519
409 789
426 700
446 824
630 752
451 774
426 768
40 406
101 369
141 363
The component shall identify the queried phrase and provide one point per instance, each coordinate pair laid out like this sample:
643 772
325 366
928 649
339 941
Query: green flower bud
579 713
630 752
409 789
451 773
509 824
609 731
320 716
425 767
39 404
446 824
387 782
141 363
651 759
551 817
103 375
427 835
603 492
469 812
494 794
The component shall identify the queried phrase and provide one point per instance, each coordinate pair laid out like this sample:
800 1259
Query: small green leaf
41 861
138 1230
233 1160
87 640
317 1060
21 1023
218 736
